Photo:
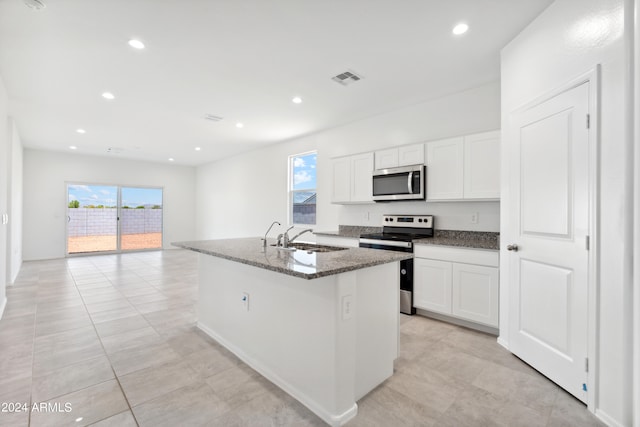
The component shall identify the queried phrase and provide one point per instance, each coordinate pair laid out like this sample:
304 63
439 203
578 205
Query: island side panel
293 331
377 325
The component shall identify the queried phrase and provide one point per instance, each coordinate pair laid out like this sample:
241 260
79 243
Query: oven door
406 183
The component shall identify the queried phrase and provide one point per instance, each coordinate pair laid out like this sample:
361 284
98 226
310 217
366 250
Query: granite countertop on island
465 239
299 263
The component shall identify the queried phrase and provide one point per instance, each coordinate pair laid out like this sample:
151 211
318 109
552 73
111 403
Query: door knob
512 247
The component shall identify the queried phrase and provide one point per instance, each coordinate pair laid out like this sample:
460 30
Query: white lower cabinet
432 285
443 284
475 293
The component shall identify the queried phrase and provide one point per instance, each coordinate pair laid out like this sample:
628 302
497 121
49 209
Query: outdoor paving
85 244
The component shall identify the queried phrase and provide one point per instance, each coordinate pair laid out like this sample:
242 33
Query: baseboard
331 419
460 322
607 419
503 343
2 306
15 276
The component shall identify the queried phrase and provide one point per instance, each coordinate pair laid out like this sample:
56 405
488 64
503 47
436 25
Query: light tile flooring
110 341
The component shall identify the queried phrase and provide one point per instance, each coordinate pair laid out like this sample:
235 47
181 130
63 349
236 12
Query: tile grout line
106 354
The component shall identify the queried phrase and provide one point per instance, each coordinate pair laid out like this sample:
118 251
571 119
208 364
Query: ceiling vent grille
212 117
346 78
35 4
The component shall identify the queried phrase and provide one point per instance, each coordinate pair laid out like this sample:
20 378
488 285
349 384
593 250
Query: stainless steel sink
312 247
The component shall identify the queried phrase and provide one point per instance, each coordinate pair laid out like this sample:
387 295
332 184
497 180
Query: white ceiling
240 59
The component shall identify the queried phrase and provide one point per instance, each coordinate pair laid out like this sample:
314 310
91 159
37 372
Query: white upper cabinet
361 178
352 179
411 155
341 184
402 156
464 168
445 165
387 158
482 166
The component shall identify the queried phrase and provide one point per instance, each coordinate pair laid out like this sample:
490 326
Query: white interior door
550 212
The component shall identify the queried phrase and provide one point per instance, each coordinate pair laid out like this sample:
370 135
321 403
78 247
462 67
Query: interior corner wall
46 174
4 192
15 205
242 195
569 39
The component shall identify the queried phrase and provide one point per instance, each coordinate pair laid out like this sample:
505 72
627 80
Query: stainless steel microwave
403 183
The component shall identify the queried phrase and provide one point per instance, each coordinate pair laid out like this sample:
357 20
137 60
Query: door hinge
588 121
586 364
587 242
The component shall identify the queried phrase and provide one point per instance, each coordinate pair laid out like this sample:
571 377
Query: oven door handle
410 182
386 243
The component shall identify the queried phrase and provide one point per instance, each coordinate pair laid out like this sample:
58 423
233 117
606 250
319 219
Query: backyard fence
103 221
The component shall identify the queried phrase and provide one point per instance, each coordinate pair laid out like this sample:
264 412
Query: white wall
15 205
4 192
45 199
242 195
567 40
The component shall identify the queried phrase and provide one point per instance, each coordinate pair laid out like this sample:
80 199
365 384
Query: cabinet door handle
512 247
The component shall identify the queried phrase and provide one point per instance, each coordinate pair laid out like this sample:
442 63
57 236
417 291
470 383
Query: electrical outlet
347 307
474 217
245 301
366 216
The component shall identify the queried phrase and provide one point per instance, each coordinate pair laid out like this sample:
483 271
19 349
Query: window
302 188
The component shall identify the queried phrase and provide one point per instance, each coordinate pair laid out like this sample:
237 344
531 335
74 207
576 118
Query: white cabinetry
352 180
457 282
445 169
402 156
464 168
482 166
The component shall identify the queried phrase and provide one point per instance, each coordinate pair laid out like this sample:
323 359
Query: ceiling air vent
34 4
346 78
212 117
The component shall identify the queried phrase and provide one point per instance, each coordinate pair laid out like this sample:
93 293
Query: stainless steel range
398 234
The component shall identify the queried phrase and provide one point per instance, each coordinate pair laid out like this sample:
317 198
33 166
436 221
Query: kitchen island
323 326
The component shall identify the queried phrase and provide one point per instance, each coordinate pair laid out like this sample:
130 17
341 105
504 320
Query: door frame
118 249
593 77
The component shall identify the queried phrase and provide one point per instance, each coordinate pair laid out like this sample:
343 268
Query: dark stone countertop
464 239
458 238
299 263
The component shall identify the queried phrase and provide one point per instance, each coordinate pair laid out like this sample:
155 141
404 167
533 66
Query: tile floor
110 341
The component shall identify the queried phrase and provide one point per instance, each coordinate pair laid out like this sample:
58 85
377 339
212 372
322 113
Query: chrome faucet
300 233
264 240
285 238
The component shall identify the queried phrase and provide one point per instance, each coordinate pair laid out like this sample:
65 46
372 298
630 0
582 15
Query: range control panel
412 221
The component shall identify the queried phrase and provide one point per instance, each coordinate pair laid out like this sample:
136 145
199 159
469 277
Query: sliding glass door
106 218
141 218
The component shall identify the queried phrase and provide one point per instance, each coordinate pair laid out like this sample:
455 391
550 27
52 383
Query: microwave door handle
410 182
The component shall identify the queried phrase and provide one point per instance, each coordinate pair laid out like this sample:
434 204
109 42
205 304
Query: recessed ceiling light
137 44
171 159
197 148
460 29
239 125
296 100
73 147
108 95
81 131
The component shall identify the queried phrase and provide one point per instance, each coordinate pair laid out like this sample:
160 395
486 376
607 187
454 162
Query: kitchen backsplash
448 215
